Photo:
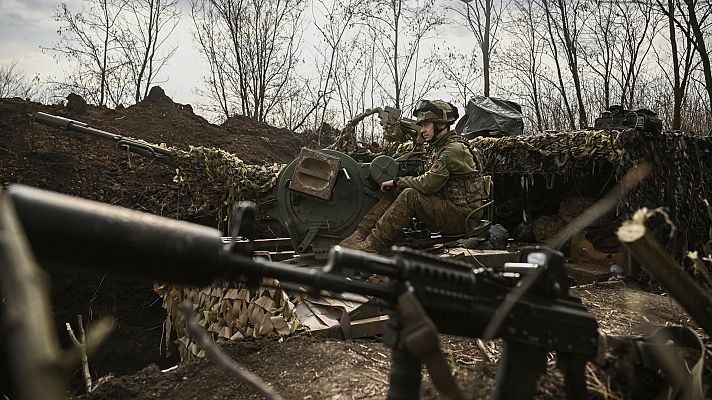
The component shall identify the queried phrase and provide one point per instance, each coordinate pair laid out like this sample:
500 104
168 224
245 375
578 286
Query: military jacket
452 173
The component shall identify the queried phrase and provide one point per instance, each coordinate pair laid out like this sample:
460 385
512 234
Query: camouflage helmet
435 111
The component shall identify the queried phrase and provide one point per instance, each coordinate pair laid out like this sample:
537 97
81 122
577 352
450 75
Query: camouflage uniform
442 197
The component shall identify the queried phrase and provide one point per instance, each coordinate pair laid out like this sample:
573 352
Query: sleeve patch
437 166
443 158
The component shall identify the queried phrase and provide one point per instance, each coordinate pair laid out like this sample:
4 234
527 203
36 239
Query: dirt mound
271 142
89 167
96 169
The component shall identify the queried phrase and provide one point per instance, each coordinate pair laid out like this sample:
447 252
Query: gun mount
320 197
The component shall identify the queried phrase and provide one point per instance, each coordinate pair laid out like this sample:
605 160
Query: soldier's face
427 129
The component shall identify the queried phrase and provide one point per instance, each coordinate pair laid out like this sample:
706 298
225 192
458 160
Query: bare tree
13 82
525 55
696 26
214 47
146 24
88 39
336 20
679 62
638 26
399 29
253 48
483 17
554 48
355 77
553 105
460 71
597 52
566 16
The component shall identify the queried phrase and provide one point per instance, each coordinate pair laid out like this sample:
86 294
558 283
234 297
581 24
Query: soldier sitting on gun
442 197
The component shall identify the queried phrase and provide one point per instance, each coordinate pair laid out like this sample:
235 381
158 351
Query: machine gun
319 197
395 127
425 294
643 120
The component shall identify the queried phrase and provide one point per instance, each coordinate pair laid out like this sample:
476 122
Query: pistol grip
518 370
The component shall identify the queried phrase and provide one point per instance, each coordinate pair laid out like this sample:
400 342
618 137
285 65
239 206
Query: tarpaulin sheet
491 115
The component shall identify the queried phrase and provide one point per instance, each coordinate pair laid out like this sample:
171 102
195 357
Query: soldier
442 197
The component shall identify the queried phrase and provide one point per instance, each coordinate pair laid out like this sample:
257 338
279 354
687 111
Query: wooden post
664 269
31 346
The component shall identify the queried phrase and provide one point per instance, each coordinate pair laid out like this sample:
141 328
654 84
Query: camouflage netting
565 153
681 178
218 177
227 311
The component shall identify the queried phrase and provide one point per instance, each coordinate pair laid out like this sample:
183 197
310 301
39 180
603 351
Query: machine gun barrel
75 232
161 154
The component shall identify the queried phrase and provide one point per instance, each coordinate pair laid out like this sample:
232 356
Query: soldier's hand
387 185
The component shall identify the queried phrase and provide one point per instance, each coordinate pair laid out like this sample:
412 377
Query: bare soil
130 364
307 367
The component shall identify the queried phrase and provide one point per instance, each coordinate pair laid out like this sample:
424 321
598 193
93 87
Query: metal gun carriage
320 197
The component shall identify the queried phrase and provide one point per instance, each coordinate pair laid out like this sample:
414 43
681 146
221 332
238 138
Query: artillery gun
319 197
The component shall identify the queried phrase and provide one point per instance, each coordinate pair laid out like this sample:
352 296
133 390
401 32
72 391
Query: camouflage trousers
395 209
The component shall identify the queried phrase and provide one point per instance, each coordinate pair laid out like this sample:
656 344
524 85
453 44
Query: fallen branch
81 347
222 360
663 268
484 350
31 345
95 335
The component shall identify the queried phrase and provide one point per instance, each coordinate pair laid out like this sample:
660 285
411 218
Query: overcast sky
28 25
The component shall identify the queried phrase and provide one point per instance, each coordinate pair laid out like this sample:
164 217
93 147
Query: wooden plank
366 327
369 326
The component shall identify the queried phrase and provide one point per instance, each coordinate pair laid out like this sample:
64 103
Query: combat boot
368 222
358 236
368 245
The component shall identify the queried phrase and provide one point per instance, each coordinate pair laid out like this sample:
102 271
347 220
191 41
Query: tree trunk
105 54
147 52
396 78
554 50
663 268
572 57
701 48
486 48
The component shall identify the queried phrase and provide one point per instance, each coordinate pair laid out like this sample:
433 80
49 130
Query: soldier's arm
431 181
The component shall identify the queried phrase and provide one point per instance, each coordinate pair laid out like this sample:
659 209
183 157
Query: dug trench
88 167
132 362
